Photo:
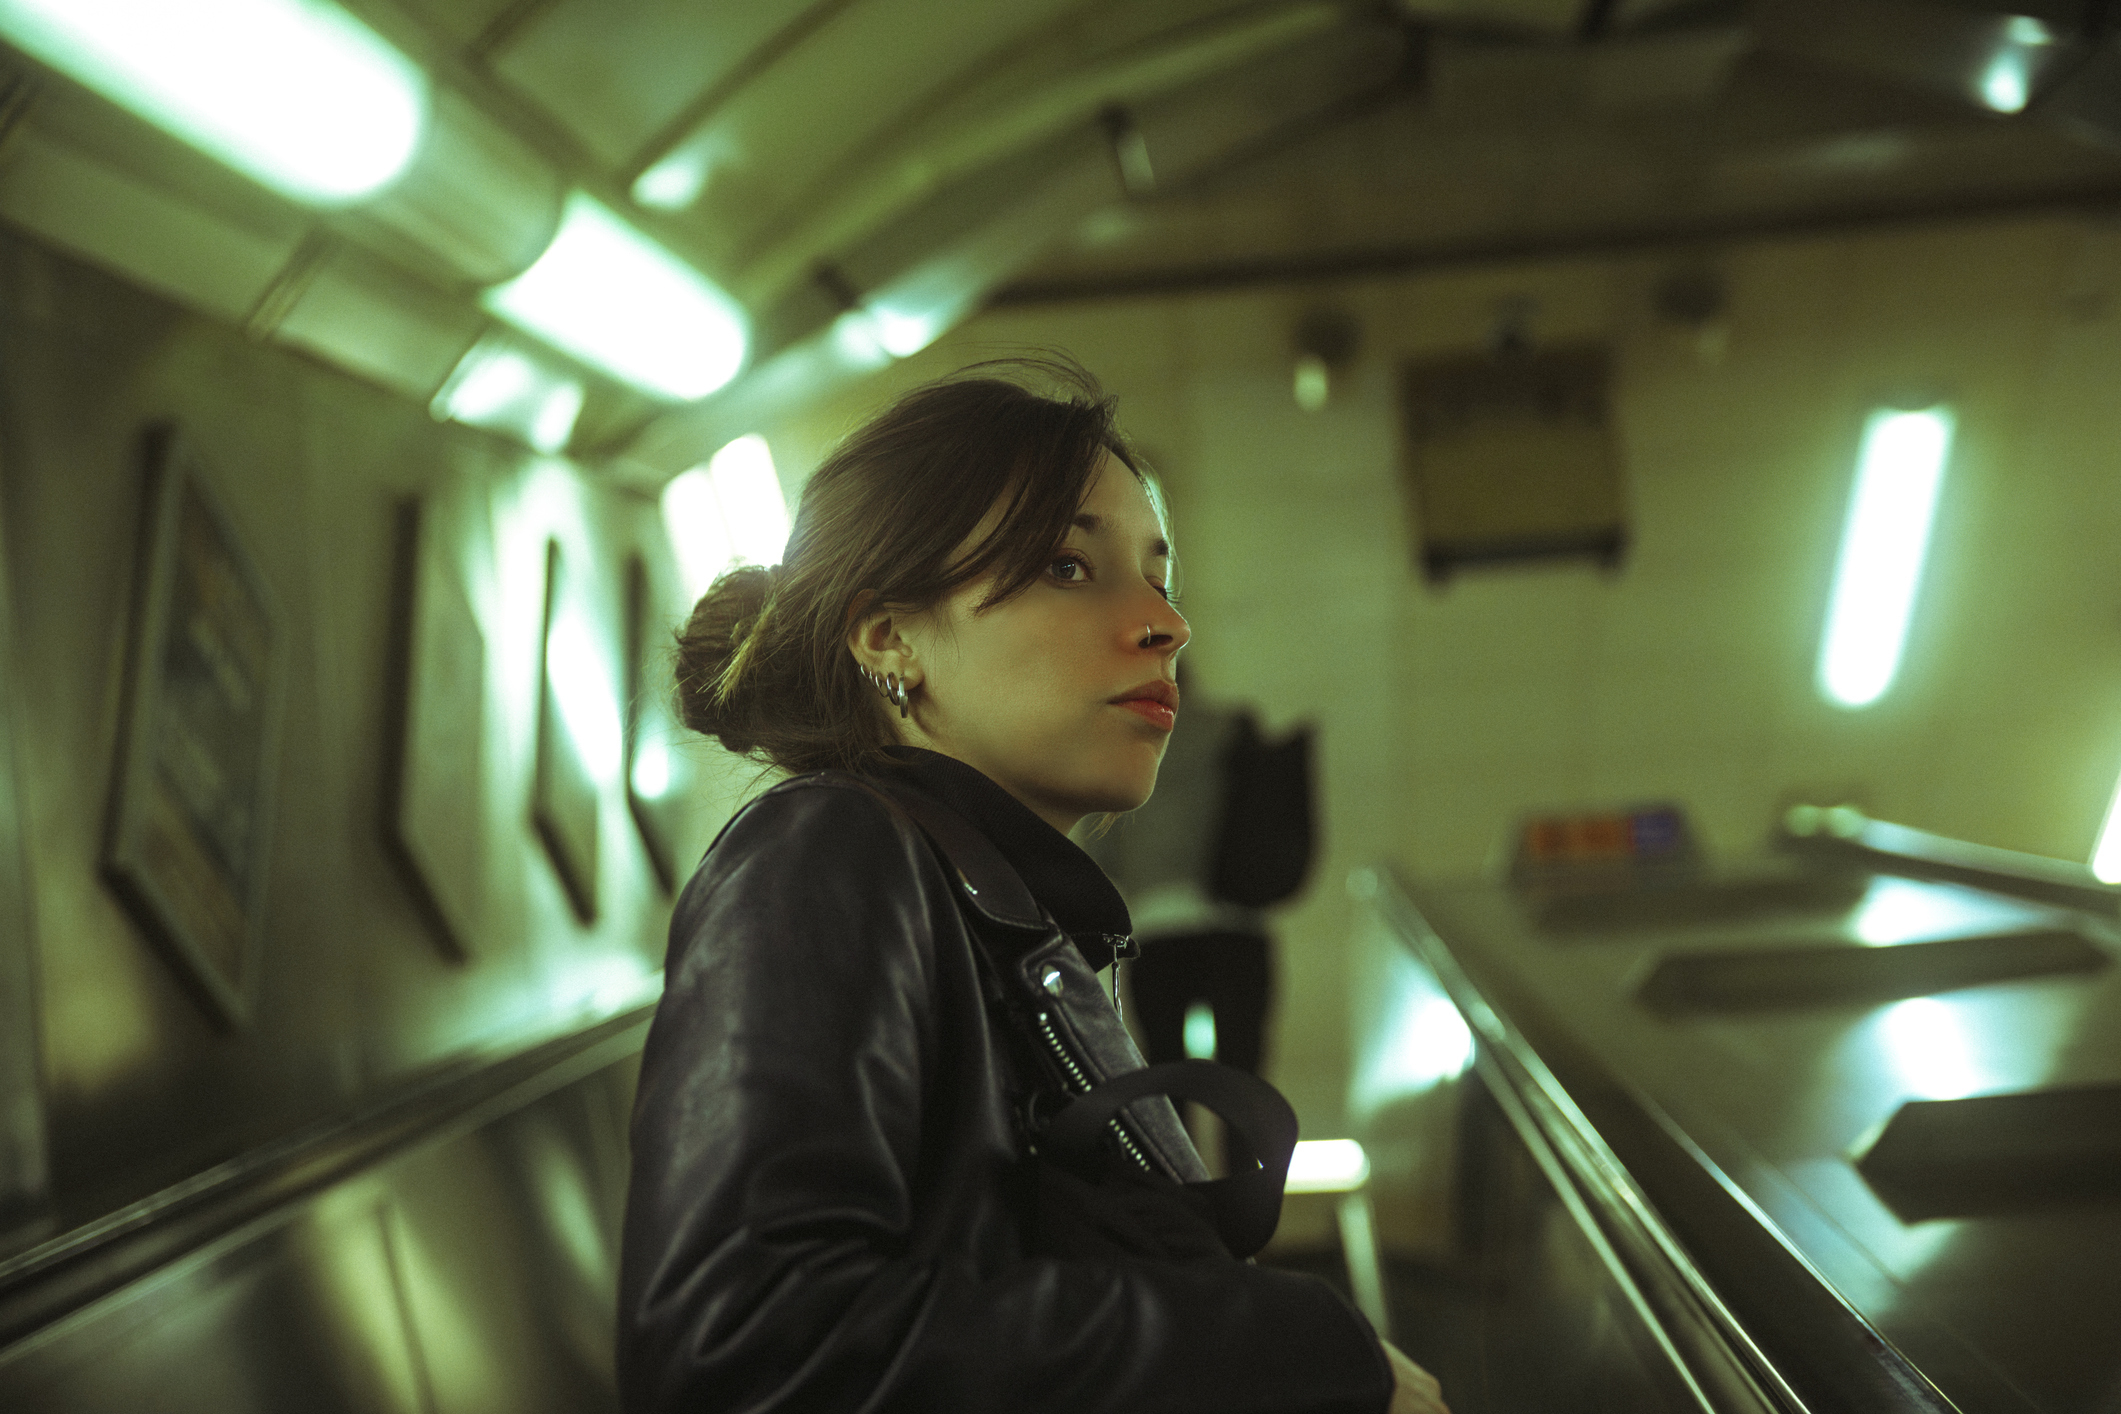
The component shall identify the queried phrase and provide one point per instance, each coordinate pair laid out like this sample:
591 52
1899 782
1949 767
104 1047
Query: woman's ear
878 641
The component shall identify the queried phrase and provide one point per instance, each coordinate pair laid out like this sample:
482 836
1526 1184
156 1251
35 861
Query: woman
832 1205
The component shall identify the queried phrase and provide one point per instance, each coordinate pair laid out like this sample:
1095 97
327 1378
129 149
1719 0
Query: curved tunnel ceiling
860 174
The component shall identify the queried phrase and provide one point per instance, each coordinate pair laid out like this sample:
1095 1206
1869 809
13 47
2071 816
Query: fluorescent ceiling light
749 490
1327 1166
855 336
1882 547
674 183
698 535
2005 86
727 510
2106 855
1200 1031
503 389
295 93
553 423
904 335
872 337
611 297
2028 32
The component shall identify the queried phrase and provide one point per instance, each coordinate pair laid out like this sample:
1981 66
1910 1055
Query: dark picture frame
25 1169
651 729
564 804
435 778
188 848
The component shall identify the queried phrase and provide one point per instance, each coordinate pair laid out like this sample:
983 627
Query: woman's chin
1124 792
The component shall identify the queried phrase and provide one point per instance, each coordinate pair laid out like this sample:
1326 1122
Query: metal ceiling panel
362 315
867 69
1553 18
1230 116
152 234
617 75
1011 111
465 21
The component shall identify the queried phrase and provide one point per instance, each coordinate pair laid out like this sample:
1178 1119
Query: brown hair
763 663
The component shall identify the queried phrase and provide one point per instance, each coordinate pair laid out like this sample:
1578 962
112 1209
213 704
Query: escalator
451 1249
1838 1130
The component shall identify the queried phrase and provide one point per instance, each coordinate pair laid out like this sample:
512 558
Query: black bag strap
1247 1205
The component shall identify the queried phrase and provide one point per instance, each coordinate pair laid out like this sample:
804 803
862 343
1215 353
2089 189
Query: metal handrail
1777 1335
65 1273
1722 1367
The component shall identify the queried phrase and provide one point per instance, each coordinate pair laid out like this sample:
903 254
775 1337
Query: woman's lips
1152 711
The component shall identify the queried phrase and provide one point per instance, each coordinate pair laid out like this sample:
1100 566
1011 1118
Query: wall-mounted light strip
503 389
297 94
611 297
1897 478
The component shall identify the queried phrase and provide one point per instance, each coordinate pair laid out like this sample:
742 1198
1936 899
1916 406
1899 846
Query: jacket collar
1065 881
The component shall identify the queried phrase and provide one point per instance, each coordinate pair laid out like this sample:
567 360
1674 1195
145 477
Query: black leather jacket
828 1197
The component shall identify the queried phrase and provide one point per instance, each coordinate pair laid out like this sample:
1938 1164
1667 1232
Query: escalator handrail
61 1275
1679 1221
1725 1367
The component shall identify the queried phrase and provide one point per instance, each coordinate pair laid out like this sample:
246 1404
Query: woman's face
1065 694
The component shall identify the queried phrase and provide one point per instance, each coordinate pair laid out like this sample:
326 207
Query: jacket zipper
1081 1082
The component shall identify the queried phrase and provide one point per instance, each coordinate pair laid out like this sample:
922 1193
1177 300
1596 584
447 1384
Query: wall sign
656 774
1511 457
435 795
564 795
191 814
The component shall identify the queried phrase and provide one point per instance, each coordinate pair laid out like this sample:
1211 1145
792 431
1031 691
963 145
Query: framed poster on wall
24 1170
656 774
434 794
192 803
564 794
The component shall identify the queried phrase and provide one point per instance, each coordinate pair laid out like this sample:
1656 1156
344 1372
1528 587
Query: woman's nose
1165 630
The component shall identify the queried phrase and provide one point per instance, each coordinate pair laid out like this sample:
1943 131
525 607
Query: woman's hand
1414 1390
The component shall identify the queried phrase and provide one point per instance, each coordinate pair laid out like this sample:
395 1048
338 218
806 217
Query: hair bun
711 653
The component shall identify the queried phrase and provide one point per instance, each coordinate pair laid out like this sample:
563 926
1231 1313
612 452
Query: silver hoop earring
895 694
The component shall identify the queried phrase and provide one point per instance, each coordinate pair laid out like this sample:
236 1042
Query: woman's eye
1070 570
1165 590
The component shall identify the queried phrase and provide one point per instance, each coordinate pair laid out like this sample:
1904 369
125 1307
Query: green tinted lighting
748 489
2106 854
617 301
295 93
1200 1032
1882 548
